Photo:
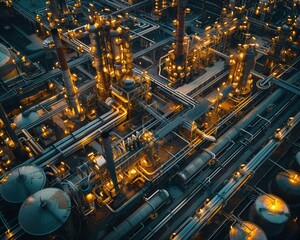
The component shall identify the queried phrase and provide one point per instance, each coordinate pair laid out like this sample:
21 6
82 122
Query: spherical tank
45 211
246 231
21 182
271 213
7 67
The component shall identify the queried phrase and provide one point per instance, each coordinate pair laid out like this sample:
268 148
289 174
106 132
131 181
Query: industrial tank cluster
41 210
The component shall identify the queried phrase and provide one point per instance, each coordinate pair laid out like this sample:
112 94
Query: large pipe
180 31
69 85
110 162
191 169
96 52
140 215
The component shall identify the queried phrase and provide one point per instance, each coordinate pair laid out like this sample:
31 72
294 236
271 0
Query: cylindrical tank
21 182
287 186
139 216
45 211
270 213
246 231
7 67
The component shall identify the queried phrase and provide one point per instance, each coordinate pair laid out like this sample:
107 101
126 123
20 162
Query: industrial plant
149 119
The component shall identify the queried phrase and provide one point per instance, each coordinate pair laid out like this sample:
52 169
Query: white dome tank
21 182
287 185
271 213
246 231
25 118
7 67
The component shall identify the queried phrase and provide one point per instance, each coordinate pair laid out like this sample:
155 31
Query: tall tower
71 90
176 61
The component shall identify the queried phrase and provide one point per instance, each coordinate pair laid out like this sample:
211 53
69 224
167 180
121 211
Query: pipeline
152 204
196 165
194 224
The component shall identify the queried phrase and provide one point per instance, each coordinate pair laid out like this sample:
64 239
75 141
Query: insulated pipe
140 215
180 31
191 169
96 52
69 85
110 162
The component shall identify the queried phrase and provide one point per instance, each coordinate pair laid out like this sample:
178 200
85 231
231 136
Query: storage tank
25 118
246 231
7 67
287 185
46 211
151 205
270 213
21 182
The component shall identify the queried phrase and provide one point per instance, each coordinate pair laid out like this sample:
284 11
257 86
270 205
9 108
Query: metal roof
21 182
45 211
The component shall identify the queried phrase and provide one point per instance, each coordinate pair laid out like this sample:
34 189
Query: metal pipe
110 162
69 85
151 205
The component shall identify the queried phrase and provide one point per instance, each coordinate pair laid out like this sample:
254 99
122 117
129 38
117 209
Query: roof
21 182
45 211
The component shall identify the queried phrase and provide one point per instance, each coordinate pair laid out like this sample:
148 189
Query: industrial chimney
180 31
110 163
71 90
96 52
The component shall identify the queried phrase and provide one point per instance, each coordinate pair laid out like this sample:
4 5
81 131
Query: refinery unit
138 119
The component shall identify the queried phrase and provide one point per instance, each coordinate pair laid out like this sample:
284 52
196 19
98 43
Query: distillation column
71 90
96 52
176 61
277 52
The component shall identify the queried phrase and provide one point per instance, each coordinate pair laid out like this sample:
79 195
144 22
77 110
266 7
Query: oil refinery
149 119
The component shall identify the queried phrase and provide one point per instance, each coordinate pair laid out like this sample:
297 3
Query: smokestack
96 51
53 6
64 6
180 31
110 163
69 85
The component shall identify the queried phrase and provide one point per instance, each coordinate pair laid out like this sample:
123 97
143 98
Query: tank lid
45 211
289 182
26 118
246 230
21 182
272 208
